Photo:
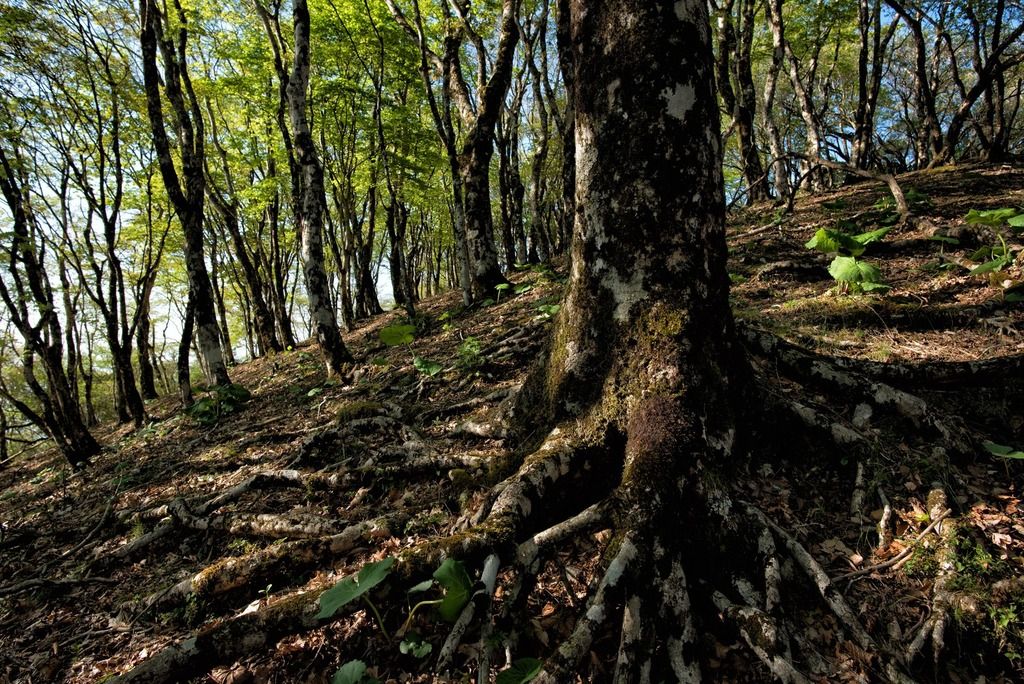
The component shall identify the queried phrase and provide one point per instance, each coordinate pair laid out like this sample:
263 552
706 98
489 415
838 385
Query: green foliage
548 311
219 400
852 273
1003 451
860 275
354 586
415 645
469 354
520 672
352 672
397 335
426 366
997 217
453 577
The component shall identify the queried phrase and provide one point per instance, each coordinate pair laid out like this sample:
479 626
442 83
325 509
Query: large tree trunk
644 345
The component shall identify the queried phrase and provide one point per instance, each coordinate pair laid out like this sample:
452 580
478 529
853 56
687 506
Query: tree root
825 374
764 637
833 598
255 569
566 659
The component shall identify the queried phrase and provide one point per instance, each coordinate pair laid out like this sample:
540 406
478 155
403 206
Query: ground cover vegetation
701 358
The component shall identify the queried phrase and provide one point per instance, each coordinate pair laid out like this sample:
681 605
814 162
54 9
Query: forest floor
95 566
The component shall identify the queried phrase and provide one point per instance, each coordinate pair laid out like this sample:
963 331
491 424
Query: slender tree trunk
323 321
184 375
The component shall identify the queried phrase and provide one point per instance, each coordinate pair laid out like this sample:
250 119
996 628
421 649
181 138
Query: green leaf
523 289
353 586
396 335
989 266
548 310
457 585
351 672
502 287
1016 221
871 236
833 241
416 646
426 366
991 217
848 269
423 586
875 287
520 672
1002 451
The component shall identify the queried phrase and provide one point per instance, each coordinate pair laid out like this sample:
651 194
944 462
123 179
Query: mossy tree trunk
644 361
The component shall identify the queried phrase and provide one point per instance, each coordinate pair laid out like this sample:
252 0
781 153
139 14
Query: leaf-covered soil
74 606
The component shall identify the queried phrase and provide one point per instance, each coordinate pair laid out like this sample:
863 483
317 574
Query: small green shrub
469 354
852 273
219 400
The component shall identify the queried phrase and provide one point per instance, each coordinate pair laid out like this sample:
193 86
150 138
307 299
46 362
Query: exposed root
943 598
895 560
825 374
565 661
480 601
764 637
842 611
276 560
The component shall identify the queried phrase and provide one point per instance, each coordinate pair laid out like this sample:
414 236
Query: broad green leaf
426 366
989 266
502 287
353 586
395 335
833 241
457 585
1002 451
871 236
523 289
1016 221
991 217
520 672
351 672
875 287
851 270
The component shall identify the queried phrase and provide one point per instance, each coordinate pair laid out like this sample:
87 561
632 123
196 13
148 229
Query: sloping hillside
251 507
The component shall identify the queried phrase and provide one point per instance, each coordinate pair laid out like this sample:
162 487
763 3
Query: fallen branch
898 557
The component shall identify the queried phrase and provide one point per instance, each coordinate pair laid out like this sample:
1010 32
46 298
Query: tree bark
324 322
188 199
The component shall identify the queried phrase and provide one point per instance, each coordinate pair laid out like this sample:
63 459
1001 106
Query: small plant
1002 451
356 586
403 334
996 261
469 354
503 287
851 272
520 672
397 335
220 400
452 577
415 645
548 311
353 672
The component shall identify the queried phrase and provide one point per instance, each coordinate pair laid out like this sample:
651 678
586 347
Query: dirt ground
86 558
